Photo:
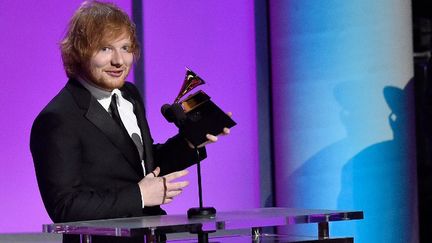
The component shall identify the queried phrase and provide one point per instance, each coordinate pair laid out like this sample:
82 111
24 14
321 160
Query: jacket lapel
143 125
97 115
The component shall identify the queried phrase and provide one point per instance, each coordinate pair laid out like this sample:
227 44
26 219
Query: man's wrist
142 197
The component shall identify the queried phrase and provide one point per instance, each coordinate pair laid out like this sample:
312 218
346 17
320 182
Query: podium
253 220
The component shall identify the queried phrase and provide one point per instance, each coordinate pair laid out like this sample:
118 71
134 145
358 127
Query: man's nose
117 59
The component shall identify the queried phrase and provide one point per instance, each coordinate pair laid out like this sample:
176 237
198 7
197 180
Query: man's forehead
109 39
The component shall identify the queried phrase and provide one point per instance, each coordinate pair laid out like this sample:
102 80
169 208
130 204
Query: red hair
92 25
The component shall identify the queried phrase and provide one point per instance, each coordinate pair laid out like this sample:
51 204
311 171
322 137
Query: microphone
174 114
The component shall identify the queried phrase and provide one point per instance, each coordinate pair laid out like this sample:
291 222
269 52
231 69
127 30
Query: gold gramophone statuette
190 82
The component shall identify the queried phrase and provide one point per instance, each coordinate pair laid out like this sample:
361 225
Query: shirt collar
102 96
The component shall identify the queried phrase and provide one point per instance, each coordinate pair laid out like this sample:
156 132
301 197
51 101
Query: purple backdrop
216 43
219 46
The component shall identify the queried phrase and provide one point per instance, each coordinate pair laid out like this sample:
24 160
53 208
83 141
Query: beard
106 82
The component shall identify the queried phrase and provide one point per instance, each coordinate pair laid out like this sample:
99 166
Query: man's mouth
114 73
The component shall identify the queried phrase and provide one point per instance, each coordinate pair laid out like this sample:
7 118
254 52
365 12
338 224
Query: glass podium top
234 220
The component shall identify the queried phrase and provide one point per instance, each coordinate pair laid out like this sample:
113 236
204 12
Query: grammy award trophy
196 116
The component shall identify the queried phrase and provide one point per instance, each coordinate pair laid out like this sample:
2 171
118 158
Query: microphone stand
175 113
200 212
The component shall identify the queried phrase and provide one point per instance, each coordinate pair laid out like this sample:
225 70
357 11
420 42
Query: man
92 149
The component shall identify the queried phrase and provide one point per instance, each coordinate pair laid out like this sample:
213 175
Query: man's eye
126 48
105 49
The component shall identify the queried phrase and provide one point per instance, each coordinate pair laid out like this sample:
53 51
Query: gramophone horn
190 82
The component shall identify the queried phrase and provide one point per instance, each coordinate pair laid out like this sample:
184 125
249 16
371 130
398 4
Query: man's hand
160 190
212 138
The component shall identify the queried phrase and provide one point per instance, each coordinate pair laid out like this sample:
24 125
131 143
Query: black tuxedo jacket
87 167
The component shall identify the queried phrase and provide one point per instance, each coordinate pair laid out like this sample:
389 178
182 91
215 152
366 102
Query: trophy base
204 212
203 117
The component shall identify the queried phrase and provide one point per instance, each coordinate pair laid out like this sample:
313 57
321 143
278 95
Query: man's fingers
168 200
177 185
158 190
176 175
155 173
226 131
172 194
229 113
211 138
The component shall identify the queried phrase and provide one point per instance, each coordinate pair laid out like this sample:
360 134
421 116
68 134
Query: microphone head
167 112
174 113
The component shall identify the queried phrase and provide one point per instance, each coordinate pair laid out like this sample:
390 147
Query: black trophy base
204 212
203 117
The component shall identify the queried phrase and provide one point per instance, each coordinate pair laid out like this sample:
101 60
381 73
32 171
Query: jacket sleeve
57 156
175 154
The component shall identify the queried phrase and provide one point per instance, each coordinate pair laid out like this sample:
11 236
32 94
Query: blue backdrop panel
344 135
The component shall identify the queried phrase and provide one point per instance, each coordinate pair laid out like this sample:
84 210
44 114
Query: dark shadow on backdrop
373 178
318 172
379 179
